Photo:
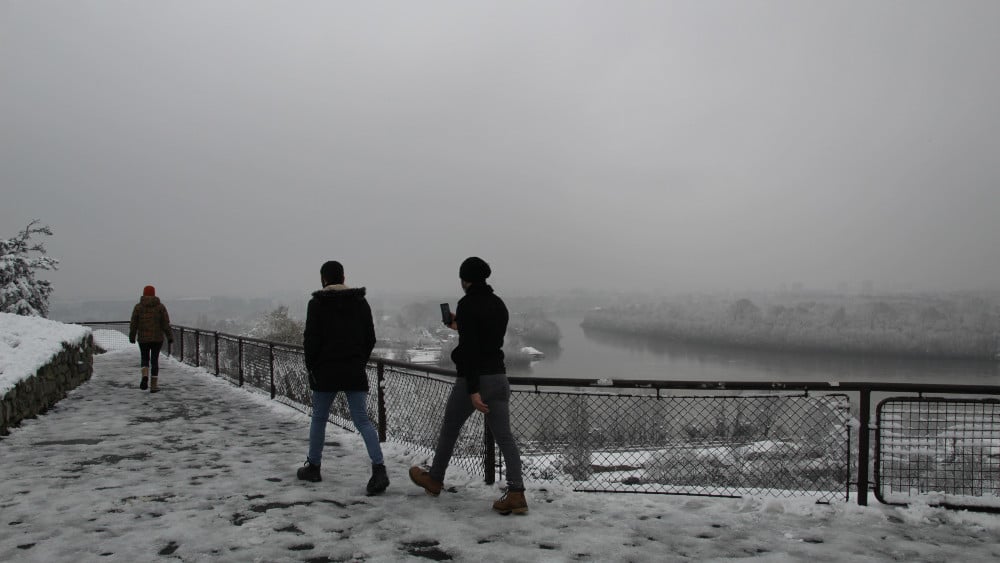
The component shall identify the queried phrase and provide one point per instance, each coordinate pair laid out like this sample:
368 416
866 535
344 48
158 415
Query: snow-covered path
204 471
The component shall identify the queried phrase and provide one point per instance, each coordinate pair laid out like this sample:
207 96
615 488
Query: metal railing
668 437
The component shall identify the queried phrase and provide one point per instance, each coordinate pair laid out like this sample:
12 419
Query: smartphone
446 313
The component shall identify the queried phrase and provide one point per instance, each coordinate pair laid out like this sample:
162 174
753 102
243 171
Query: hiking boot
379 480
511 501
144 382
309 472
422 478
153 387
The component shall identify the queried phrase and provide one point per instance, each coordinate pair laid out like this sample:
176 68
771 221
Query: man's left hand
477 401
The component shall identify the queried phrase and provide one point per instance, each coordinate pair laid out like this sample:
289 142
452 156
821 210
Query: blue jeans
356 400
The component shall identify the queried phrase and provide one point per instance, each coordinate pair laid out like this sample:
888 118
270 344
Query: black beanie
474 270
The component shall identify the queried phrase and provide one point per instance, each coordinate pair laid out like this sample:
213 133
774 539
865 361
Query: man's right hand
478 404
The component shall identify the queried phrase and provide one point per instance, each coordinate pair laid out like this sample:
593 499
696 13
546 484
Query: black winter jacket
482 322
338 339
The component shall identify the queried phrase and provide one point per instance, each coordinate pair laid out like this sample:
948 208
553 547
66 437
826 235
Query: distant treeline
954 325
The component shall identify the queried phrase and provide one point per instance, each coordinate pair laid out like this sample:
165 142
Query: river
591 354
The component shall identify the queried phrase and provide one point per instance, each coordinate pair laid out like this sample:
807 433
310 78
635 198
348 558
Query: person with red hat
150 323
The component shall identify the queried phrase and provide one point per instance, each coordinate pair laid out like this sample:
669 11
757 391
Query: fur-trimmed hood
339 291
338 339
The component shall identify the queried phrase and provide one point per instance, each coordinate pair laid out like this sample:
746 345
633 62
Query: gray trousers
495 391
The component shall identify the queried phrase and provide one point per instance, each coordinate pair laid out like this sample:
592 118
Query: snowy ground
27 343
204 471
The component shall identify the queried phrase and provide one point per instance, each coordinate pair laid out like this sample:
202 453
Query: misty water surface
593 354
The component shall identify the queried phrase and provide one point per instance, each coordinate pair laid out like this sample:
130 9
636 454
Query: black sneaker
379 481
309 472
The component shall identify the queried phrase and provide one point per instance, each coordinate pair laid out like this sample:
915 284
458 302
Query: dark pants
149 356
495 391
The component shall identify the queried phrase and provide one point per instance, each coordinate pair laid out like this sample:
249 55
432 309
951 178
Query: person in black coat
338 340
481 321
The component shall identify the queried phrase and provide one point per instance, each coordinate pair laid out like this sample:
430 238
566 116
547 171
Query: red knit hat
149 290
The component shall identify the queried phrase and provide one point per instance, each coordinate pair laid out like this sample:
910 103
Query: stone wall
34 395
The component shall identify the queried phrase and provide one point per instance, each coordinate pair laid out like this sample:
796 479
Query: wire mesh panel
415 409
775 445
941 451
109 335
229 358
206 350
257 365
174 350
291 383
187 347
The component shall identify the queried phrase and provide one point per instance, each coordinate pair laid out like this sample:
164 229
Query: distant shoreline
803 351
937 329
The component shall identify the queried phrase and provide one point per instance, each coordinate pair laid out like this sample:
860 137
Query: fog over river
593 354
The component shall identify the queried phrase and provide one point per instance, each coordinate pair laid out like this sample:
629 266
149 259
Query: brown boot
144 382
153 387
422 478
511 501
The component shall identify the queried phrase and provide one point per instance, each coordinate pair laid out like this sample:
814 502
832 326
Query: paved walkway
204 471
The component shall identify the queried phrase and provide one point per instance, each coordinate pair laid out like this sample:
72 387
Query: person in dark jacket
149 324
481 321
338 340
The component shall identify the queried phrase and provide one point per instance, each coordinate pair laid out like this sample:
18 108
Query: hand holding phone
446 313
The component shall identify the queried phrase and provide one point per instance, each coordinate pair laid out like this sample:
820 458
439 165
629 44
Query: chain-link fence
109 336
606 440
414 412
945 449
673 437
706 444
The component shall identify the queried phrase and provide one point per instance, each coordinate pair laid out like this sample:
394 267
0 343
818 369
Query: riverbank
962 327
588 353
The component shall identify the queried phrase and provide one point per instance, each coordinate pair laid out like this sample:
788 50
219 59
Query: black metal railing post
197 348
270 360
216 352
182 345
239 346
489 456
380 382
863 443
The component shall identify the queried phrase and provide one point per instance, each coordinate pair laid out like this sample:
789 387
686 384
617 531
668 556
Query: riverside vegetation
939 326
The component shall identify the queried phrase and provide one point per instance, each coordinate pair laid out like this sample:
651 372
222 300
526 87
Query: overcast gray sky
212 147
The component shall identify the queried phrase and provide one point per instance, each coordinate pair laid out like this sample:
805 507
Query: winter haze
228 148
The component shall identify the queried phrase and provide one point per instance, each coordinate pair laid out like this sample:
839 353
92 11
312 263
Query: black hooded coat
338 339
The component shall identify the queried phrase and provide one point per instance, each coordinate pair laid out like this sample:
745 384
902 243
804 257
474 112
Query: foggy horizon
230 148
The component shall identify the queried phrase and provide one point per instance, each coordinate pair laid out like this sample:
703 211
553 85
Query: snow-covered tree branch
20 292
